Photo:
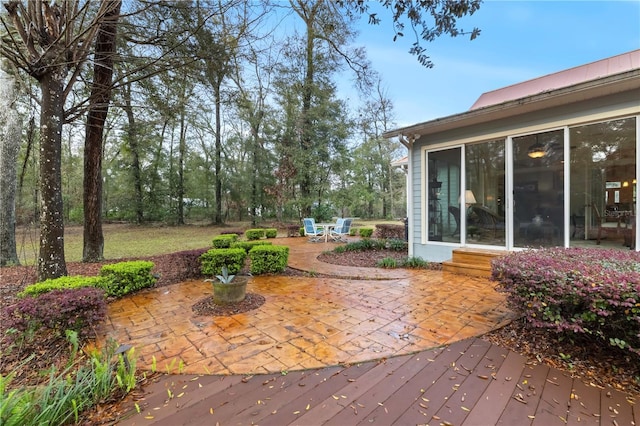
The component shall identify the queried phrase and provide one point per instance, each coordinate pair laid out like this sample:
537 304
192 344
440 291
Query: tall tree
51 42
327 34
93 244
10 134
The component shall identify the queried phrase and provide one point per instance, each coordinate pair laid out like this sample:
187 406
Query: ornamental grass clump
578 292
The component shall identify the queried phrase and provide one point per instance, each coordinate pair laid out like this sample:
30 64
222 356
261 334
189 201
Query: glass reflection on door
484 195
538 189
443 195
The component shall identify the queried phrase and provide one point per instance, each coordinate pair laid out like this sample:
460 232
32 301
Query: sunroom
549 162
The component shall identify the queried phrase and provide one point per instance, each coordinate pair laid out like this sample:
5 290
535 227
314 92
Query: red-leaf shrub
591 292
78 309
179 266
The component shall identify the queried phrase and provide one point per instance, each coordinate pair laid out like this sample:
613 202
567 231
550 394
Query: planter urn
235 291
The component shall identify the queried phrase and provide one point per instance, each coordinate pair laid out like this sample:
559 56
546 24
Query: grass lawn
131 241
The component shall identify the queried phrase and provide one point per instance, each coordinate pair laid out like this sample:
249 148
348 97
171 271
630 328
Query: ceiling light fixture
537 150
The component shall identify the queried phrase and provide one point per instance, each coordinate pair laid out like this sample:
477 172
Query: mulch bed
208 307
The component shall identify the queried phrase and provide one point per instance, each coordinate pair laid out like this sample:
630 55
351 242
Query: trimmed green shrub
589 293
212 261
366 232
254 234
268 259
301 231
248 245
120 279
224 240
271 232
352 232
61 283
77 309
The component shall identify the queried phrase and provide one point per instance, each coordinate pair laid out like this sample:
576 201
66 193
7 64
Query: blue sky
520 40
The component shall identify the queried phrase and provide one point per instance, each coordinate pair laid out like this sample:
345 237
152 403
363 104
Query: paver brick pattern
306 322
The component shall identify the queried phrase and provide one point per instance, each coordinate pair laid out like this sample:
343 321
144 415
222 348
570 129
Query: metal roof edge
490 112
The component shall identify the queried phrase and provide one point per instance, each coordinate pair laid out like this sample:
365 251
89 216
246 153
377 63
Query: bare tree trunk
10 133
51 261
218 156
182 152
93 246
135 162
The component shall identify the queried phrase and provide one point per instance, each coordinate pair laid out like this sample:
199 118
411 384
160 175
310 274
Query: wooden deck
471 382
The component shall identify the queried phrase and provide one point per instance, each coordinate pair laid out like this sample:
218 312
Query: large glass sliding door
603 183
484 201
443 195
538 189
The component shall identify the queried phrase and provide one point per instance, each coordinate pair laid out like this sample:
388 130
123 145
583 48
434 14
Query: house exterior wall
620 105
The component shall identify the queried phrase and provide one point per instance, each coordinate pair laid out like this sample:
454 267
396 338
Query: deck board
498 393
554 403
470 382
522 405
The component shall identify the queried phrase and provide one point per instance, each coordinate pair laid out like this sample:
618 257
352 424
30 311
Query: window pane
538 189
484 196
443 191
603 181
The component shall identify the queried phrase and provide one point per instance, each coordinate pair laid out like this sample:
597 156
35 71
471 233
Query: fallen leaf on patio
296 412
210 410
465 409
483 377
351 380
148 417
180 395
335 397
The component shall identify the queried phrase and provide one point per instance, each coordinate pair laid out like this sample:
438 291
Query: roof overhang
609 85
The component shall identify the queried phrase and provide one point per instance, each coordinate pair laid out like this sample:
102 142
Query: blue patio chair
341 230
314 233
